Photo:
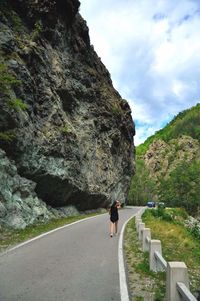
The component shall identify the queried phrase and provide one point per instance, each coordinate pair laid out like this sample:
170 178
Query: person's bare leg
116 227
111 229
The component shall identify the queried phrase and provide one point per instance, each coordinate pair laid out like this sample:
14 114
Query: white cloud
152 52
142 133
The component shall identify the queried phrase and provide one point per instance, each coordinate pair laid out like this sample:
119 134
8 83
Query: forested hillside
168 164
185 123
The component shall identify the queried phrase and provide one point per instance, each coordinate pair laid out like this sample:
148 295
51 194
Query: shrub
17 104
179 213
7 136
161 213
7 80
37 30
116 110
196 231
12 16
193 225
65 130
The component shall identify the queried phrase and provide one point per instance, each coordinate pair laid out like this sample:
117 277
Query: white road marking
122 273
47 233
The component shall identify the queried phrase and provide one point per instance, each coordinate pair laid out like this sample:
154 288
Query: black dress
114 214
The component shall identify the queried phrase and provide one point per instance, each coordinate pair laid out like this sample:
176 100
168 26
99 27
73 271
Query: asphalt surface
77 263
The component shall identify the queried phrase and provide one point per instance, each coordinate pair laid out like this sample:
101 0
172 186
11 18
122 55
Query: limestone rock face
162 158
19 204
61 121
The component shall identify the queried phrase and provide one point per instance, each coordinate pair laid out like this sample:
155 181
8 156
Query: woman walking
114 216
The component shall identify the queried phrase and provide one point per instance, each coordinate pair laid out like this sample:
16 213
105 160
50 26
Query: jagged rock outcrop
62 122
162 157
19 204
177 142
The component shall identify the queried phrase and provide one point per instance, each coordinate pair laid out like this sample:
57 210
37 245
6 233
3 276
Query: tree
142 187
182 187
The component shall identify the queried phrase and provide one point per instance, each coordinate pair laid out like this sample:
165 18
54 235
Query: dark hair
114 204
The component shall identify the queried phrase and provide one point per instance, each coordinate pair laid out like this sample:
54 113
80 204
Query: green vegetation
182 187
12 16
177 215
144 284
7 136
10 237
17 104
178 243
16 21
185 123
174 181
68 131
7 80
65 129
116 110
142 188
37 30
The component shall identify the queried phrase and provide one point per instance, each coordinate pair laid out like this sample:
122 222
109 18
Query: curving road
76 263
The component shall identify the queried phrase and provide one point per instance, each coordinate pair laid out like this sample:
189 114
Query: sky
152 51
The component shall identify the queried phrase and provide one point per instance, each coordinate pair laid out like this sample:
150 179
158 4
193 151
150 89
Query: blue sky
152 51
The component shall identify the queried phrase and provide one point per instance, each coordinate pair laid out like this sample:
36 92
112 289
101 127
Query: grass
178 244
143 283
9 237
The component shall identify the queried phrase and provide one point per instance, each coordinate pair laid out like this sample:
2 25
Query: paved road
77 263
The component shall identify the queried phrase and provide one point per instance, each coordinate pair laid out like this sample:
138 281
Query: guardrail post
155 245
145 233
140 229
137 216
176 272
137 224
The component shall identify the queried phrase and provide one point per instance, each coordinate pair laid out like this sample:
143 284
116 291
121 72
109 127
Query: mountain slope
171 159
185 123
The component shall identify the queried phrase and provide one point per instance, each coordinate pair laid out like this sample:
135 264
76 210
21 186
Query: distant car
151 204
161 205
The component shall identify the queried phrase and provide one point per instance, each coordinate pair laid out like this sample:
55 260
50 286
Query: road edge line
122 273
47 233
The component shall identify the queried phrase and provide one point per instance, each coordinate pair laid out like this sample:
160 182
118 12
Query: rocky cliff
163 157
62 124
177 142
